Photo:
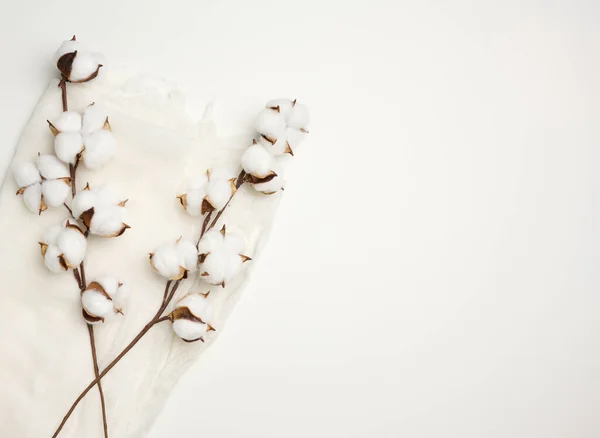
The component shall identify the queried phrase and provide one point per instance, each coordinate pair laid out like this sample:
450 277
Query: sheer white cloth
44 344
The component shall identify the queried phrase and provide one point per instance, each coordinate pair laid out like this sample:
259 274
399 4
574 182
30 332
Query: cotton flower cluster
208 192
221 256
281 127
103 298
75 63
190 317
100 211
175 260
63 247
88 138
43 184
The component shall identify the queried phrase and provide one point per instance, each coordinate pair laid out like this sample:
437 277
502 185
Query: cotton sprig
101 211
75 63
175 260
103 298
190 317
282 125
88 138
43 184
63 247
208 192
221 256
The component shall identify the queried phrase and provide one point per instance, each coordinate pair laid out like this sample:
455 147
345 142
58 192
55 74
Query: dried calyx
63 247
75 63
221 256
45 183
102 298
190 317
100 211
174 260
208 192
88 138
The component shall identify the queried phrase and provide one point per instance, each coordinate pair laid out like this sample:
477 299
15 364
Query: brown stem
97 375
204 225
83 280
63 86
167 297
79 274
139 336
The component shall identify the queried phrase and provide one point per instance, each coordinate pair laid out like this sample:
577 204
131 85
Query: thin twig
79 274
63 86
97 374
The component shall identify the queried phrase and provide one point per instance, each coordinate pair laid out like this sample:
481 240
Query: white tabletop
435 263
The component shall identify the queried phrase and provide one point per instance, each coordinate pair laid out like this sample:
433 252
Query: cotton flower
221 256
264 170
175 259
63 247
100 211
190 317
75 63
282 126
45 183
208 192
88 138
102 298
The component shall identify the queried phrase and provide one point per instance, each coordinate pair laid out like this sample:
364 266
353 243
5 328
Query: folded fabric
45 349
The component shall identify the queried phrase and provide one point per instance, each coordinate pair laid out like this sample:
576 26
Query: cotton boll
270 123
50 236
221 257
109 283
218 192
83 201
188 254
69 46
294 138
234 243
85 67
166 261
32 196
67 146
198 306
73 244
298 117
257 161
211 241
26 175
53 260
68 121
94 118
122 295
280 147
55 192
270 187
189 330
108 221
274 185
285 106
51 167
192 202
100 147
96 303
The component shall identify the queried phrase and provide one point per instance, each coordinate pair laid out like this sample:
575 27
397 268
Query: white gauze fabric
45 350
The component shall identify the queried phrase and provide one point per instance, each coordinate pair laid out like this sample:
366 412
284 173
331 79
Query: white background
433 271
